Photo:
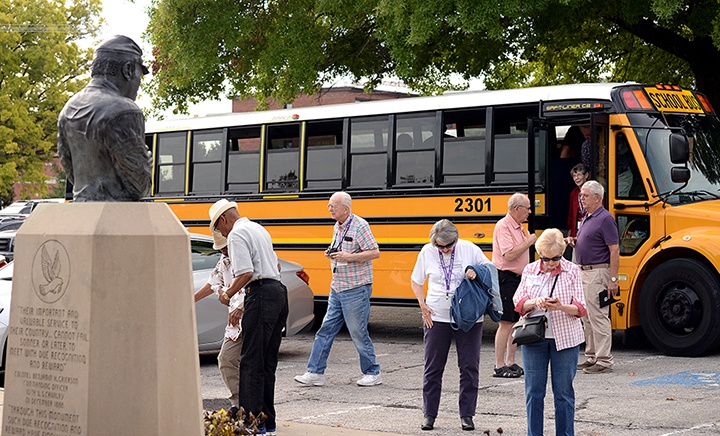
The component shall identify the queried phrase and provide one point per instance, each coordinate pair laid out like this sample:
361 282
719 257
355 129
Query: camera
331 250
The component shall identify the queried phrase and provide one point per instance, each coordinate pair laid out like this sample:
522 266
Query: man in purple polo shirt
597 251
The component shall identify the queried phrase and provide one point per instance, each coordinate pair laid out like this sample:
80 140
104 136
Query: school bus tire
680 306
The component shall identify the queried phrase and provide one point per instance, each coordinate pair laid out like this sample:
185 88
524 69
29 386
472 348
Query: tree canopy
277 48
41 66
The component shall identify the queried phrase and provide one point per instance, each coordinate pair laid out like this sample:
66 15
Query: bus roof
450 100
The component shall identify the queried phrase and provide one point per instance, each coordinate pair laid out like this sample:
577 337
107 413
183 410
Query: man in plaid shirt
351 253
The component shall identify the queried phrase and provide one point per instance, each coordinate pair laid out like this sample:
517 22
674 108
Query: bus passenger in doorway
580 174
443 263
597 252
351 253
511 246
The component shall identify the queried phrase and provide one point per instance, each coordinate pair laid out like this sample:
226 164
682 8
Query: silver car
6 273
212 316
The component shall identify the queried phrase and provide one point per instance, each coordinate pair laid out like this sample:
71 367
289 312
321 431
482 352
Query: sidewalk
284 427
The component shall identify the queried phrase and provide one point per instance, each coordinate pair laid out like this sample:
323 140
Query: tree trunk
705 63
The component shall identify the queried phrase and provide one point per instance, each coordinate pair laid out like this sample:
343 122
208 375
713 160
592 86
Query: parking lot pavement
647 393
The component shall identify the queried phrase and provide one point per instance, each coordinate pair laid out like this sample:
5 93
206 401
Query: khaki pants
598 330
229 364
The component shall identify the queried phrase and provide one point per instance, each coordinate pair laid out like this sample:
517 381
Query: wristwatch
227 297
613 279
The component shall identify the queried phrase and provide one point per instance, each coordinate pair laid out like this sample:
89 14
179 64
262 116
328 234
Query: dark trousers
437 346
266 310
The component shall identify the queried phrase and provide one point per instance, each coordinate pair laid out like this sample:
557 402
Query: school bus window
634 231
207 161
368 152
171 163
283 157
510 145
463 147
415 149
464 124
629 184
243 169
324 155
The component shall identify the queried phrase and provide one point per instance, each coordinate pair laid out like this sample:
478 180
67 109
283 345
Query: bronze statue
101 131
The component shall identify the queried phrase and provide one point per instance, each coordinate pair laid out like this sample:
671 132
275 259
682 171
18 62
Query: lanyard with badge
343 237
447 271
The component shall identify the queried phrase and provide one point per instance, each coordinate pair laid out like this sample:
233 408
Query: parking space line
340 412
710 425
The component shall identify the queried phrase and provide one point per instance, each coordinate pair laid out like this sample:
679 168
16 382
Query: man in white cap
229 358
101 131
255 268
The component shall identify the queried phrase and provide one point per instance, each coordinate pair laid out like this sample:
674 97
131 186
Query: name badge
535 281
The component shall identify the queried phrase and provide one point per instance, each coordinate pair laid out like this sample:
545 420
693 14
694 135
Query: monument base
102 337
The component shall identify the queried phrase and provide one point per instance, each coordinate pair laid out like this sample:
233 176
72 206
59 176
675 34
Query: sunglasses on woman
551 259
442 247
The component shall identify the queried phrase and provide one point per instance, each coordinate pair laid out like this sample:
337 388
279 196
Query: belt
596 266
259 282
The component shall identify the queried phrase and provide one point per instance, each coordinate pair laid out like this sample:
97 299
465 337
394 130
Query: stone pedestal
102 337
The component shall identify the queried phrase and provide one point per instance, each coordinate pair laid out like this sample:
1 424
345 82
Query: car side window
204 256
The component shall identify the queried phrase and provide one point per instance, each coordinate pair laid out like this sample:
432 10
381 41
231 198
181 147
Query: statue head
119 60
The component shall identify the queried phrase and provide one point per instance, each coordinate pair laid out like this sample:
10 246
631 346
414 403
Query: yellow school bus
410 162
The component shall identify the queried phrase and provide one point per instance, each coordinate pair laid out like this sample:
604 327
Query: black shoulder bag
530 330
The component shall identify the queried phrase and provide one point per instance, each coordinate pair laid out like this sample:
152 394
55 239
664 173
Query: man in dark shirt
101 131
597 251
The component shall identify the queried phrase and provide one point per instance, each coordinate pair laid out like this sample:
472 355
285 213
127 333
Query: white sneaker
311 378
370 380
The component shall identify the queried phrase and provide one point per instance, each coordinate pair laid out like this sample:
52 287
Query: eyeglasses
551 259
526 207
334 206
446 246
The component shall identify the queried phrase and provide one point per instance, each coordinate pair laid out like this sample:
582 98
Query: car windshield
704 137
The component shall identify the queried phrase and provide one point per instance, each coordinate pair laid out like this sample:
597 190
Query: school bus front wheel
680 308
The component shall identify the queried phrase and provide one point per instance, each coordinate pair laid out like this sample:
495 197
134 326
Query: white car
212 316
6 273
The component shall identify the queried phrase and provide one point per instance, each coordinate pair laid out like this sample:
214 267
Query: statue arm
129 154
64 154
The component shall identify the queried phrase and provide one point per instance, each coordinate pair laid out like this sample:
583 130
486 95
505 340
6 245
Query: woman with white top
442 264
552 286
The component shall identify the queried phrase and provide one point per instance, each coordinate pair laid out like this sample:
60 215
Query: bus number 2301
472 205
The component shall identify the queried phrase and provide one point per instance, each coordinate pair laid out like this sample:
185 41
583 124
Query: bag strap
553 286
552 290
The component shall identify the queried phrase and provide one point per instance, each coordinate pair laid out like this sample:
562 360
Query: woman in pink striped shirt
552 286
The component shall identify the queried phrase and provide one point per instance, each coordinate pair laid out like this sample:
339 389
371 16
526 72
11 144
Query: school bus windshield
704 136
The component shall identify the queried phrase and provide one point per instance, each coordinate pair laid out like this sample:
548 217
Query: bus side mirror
679 174
679 148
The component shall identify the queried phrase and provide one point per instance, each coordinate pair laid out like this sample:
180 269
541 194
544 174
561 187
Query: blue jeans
563 365
353 308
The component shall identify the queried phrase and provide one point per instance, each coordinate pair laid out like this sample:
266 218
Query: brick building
333 95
